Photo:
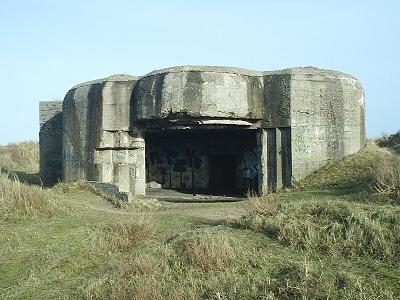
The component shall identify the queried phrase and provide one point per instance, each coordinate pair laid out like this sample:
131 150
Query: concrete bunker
215 130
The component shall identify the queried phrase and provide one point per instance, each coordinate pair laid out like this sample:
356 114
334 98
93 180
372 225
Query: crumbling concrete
207 128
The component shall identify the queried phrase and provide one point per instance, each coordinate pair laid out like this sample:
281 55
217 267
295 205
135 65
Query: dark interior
222 172
199 161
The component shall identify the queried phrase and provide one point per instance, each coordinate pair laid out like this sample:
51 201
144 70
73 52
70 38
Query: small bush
125 236
19 200
386 176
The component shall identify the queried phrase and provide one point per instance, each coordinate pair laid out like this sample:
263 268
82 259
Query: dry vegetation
336 236
209 252
127 235
332 228
390 141
20 201
184 269
386 176
20 157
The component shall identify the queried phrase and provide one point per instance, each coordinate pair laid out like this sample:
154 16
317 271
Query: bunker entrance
202 161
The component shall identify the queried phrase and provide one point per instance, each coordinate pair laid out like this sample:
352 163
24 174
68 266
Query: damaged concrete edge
112 78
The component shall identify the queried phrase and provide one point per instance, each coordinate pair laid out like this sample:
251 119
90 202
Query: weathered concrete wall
304 118
99 143
277 98
50 141
327 118
199 92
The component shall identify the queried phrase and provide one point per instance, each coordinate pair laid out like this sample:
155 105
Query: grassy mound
329 227
372 172
353 173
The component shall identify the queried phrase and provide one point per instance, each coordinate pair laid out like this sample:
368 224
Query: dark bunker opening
206 161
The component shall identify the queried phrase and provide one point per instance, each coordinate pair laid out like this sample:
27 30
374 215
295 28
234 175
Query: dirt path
218 210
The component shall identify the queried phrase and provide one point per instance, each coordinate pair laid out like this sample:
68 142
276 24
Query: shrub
390 141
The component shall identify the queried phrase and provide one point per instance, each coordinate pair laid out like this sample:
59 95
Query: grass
386 176
332 237
125 236
20 201
209 252
20 157
329 228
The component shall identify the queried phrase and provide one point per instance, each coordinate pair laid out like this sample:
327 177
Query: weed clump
268 205
125 236
209 252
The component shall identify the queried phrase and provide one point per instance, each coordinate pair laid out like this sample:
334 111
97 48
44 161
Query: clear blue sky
46 46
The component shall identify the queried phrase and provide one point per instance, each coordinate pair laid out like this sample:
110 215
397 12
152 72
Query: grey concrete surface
268 128
50 141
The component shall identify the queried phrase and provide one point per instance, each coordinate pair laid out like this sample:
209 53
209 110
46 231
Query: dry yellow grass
209 252
20 157
19 200
266 205
309 244
386 175
125 236
329 227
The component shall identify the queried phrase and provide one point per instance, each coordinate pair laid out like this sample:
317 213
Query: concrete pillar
286 154
137 169
279 157
275 153
262 145
271 159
